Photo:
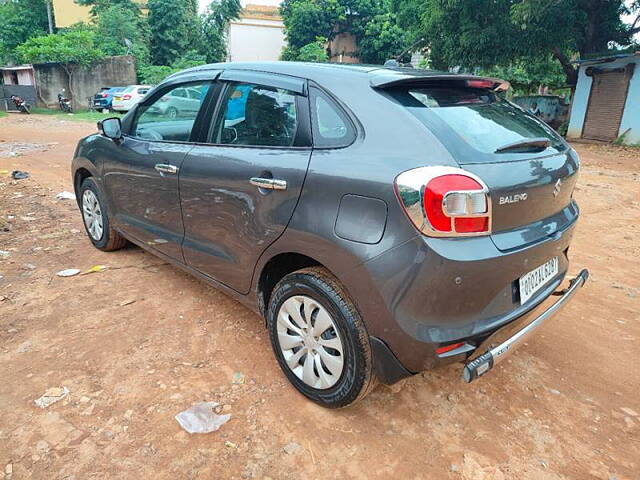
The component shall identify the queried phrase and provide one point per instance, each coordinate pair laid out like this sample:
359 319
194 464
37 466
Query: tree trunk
69 71
49 16
569 70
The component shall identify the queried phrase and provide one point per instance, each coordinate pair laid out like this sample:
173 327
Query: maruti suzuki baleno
384 221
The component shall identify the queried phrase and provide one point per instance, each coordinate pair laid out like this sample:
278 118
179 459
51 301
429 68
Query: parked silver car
180 102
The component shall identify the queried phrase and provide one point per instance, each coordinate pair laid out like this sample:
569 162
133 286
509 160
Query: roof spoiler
396 79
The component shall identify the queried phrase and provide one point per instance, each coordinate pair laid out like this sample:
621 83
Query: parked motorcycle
64 102
21 104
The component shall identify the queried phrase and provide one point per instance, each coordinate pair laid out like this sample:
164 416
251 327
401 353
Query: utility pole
49 16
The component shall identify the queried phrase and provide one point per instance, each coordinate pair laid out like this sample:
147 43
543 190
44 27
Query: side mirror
111 128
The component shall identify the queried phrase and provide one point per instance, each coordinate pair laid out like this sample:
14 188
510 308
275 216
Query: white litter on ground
66 196
52 396
201 418
70 272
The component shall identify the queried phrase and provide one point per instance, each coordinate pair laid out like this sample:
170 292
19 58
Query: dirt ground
141 341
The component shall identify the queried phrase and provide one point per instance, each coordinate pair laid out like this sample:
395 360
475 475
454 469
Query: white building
258 34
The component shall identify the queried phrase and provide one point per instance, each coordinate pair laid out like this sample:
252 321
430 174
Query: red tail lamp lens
434 193
470 225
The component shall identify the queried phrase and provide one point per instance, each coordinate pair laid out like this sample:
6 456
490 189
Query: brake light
105 95
480 83
445 201
127 97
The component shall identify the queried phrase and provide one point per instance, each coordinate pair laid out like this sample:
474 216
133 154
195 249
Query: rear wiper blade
525 145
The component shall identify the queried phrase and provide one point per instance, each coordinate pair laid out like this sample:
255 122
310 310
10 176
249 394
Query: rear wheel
319 339
96 218
172 113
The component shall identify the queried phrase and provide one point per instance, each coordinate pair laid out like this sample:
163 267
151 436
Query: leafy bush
311 52
79 47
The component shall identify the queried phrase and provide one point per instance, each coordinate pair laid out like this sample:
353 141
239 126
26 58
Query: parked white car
129 97
180 102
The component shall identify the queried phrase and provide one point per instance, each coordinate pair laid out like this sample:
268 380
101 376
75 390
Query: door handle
166 168
268 183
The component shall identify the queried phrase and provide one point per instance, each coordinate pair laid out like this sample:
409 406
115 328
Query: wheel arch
275 269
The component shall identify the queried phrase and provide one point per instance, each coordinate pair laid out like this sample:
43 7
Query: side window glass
171 116
257 115
331 126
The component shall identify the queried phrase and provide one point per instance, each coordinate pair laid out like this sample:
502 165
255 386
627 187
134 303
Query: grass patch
3 114
83 116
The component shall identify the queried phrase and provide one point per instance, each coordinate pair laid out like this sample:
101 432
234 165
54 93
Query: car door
239 190
154 150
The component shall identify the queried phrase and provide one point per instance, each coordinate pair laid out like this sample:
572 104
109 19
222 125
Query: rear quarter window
331 126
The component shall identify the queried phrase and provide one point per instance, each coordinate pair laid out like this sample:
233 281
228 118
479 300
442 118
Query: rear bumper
503 342
427 293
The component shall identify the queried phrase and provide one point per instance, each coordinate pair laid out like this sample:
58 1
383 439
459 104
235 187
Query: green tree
382 39
117 25
20 20
174 28
215 22
484 33
526 77
371 22
72 49
154 74
311 52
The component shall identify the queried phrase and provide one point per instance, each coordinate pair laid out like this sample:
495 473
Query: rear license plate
536 279
117 98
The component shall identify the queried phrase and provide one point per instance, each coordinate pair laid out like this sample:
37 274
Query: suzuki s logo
557 187
515 198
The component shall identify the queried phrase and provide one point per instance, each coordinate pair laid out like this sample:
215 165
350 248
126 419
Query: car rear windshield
482 119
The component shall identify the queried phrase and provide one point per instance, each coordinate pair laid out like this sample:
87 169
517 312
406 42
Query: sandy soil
141 341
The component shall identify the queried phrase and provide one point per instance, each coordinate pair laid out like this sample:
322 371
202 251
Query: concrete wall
630 117
252 39
28 92
112 72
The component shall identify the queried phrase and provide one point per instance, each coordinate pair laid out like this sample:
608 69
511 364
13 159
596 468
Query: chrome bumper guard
485 362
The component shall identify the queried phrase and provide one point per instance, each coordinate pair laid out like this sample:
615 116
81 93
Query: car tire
314 293
95 216
172 113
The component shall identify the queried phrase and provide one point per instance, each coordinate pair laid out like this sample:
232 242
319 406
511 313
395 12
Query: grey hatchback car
384 221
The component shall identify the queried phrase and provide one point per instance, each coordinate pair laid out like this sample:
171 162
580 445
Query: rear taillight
105 95
127 97
445 201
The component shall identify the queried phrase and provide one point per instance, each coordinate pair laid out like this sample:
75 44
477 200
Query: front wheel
319 338
96 218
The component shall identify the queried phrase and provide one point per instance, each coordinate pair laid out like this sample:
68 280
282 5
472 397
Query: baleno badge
515 198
